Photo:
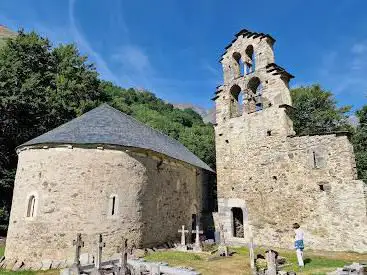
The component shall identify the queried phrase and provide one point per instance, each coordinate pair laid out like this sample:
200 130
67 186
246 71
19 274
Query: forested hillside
42 87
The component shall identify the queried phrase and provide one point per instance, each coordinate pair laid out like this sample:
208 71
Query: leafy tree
78 88
316 111
200 139
186 125
40 88
360 143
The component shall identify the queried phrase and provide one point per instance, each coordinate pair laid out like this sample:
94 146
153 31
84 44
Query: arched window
254 100
113 205
238 66
250 59
237 218
31 206
237 101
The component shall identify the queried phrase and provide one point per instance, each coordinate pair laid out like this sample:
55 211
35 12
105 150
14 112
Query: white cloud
131 56
344 70
359 48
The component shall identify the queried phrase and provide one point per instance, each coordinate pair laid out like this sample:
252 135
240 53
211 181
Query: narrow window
31 206
113 205
314 159
319 158
237 216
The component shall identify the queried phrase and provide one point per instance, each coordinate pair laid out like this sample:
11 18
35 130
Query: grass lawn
317 263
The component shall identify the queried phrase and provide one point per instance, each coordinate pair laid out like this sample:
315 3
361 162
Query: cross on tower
101 244
78 243
183 231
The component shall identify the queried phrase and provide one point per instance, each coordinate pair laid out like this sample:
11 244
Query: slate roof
108 126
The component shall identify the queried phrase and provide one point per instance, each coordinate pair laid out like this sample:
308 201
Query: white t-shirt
299 234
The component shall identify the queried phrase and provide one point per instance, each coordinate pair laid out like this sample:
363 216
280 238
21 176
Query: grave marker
78 243
101 244
197 245
123 257
183 237
270 257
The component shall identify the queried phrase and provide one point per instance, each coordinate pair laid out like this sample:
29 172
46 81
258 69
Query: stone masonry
270 175
73 187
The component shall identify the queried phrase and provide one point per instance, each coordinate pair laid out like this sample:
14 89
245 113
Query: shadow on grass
307 261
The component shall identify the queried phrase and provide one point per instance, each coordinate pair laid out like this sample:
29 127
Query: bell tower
253 83
267 177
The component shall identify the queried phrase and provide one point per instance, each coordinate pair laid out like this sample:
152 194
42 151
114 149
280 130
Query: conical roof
108 126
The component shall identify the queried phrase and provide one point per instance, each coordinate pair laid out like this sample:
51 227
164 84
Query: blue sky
172 47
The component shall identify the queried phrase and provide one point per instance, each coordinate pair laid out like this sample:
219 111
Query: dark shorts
299 244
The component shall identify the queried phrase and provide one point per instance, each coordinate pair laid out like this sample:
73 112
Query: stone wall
274 177
275 181
73 188
170 195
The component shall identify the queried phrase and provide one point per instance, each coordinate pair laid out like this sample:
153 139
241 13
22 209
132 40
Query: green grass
2 250
17 272
316 262
172 256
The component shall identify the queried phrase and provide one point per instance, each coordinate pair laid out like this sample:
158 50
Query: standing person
298 244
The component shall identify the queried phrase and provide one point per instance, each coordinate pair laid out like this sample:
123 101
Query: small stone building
101 173
268 178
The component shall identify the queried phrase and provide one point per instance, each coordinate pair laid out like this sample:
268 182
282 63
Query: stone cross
123 257
222 248
270 256
183 231
252 255
221 234
197 239
78 243
100 244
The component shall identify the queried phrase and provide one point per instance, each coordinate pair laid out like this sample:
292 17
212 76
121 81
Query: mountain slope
208 115
5 33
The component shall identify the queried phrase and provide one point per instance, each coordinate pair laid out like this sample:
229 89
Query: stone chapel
268 177
101 173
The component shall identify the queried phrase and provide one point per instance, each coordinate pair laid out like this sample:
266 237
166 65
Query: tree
186 126
360 143
316 111
201 140
40 88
